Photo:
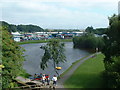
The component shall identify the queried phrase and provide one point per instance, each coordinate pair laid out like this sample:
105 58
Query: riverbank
73 64
88 74
42 41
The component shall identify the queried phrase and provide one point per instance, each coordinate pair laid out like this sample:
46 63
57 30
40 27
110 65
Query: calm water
34 54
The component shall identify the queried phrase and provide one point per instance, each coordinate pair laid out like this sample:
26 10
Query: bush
88 41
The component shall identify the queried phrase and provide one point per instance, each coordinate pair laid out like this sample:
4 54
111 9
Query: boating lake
33 55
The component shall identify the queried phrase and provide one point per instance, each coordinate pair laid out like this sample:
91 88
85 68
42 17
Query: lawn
88 75
43 41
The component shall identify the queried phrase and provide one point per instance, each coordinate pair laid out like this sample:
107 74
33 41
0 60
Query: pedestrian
43 79
54 79
47 79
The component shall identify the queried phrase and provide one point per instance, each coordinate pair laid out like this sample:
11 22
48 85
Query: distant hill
21 28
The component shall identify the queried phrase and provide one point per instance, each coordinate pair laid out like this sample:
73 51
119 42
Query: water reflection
34 54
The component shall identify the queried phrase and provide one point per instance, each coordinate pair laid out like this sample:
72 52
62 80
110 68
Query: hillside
21 28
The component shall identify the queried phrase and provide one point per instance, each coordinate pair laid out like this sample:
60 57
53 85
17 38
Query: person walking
43 79
54 79
47 79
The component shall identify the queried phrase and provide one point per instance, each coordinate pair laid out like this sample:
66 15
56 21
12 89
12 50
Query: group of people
45 79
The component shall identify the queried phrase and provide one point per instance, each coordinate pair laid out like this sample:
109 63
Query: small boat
35 77
58 68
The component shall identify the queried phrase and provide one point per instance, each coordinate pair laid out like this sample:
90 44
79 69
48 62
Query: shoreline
42 41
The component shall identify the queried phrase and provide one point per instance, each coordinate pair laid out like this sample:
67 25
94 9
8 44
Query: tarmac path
71 71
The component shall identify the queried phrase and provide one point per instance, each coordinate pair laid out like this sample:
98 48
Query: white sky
59 14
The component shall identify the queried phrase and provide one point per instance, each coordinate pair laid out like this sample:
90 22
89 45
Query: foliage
111 51
54 52
29 28
88 41
12 59
21 28
63 30
89 29
99 31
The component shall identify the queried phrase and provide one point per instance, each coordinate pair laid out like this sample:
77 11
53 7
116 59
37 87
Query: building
16 36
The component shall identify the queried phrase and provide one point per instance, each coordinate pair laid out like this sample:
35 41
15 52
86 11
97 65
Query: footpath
71 71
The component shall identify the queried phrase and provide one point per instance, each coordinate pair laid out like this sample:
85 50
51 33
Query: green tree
89 29
12 59
88 41
100 31
21 28
54 51
111 51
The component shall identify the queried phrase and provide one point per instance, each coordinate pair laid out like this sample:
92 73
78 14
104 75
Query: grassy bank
43 41
88 75
74 63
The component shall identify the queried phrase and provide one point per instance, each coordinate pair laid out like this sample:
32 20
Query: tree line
88 41
98 31
21 28
31 28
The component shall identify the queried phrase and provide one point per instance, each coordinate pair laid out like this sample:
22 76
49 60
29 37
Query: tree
89 29
111 51
12 59
88 41
21 28
54 51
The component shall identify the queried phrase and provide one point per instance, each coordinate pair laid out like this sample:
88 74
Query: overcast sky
58 14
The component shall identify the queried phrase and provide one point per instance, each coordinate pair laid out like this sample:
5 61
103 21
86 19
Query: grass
87 75
74 63
43 41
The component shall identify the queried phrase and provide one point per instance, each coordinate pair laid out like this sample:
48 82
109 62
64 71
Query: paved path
71 71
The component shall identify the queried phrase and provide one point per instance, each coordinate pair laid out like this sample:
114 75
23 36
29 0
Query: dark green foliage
112 53
62 30
12 59
98 31
21 28
88 41
29 28
54 52
89 29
